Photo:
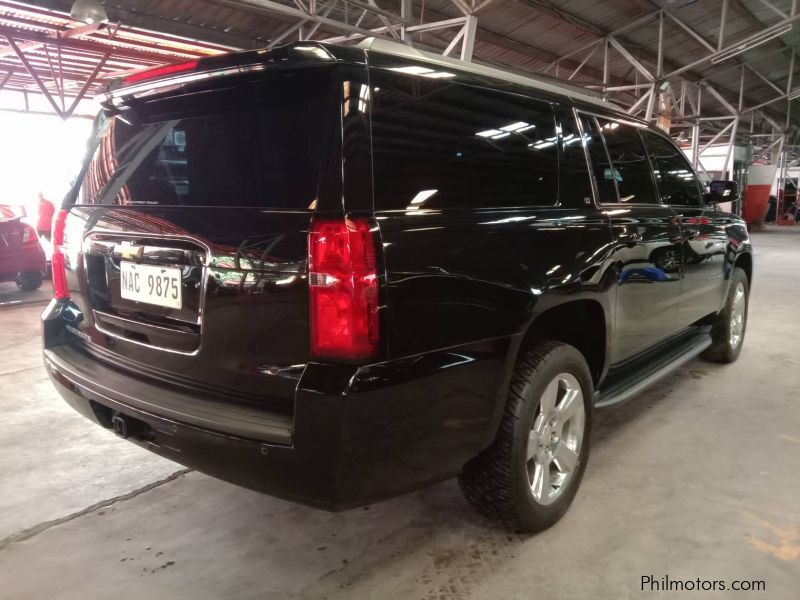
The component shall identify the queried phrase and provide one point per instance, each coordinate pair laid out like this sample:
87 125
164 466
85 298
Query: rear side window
675 179
258 144
629 167
603 173
438 144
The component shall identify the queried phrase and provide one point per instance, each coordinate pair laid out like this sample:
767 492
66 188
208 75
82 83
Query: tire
501 483
729 327
31 280
666 259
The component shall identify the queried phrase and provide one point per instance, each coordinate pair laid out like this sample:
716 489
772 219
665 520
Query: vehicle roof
550 86
373 52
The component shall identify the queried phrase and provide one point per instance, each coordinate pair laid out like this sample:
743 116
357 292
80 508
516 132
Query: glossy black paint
648 255
460 287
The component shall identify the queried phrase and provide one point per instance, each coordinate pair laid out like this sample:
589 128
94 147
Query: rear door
702 228
647 236
188 239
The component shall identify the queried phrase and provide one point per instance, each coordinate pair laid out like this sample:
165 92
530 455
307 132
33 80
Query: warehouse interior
695 478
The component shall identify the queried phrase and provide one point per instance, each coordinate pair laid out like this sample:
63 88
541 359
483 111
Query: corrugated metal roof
524 35
63 54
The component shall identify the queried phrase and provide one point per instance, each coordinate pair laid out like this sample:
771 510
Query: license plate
153 285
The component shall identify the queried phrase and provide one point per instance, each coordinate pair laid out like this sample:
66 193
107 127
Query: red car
22 258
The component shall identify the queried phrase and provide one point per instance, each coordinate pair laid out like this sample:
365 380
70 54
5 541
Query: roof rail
545 84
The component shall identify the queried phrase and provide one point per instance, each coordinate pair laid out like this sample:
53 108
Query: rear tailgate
187 246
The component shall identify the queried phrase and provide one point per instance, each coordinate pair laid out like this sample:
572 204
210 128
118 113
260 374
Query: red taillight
29 235
58 261
343 289
160 72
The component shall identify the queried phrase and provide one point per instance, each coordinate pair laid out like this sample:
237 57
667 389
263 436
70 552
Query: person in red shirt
45 223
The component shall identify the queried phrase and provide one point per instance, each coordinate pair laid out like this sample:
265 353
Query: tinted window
437 144
575 188
629 164
675 179
258 144
603 173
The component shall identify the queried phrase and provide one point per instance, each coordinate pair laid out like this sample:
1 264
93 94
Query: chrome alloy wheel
554 443
738 307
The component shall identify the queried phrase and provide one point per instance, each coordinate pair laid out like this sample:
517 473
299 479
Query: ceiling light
489 133
421 197
438 74
515 126
423 71
412 70
751 43
88 11
494 134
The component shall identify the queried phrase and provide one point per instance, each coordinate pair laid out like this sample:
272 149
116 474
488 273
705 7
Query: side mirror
723 191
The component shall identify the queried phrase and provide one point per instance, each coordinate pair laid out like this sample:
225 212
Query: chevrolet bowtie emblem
129 251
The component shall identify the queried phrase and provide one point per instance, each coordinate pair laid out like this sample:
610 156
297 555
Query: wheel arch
581 323
745 262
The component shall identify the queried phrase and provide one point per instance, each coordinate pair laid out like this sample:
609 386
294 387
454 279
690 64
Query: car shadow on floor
431 540
210 539
11 295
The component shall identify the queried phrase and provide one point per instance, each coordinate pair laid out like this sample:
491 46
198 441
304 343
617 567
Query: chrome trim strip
202 302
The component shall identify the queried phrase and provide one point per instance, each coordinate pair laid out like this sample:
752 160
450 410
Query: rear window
255 144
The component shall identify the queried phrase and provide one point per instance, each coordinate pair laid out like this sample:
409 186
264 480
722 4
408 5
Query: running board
629 385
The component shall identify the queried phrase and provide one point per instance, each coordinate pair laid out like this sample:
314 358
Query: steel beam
583 62
631 59
269 6
774 8
722 20
32 72
85 87
454 42
468 43
721 100
406 14
66 34
721 52
638 104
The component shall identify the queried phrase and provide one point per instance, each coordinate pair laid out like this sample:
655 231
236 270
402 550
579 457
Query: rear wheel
729 327
529 476
30 280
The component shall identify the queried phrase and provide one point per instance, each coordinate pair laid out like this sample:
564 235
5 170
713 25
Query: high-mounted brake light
343 289
160 72
58 260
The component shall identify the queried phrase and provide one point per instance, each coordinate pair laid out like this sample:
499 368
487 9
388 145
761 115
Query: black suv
337 274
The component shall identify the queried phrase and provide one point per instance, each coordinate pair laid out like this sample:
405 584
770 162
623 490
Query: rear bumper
357 435
247 447
22 261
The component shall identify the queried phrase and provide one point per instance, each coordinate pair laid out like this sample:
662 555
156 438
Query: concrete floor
697 478
11 295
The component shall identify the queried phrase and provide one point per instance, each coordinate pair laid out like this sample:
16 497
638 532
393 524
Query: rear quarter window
438 144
